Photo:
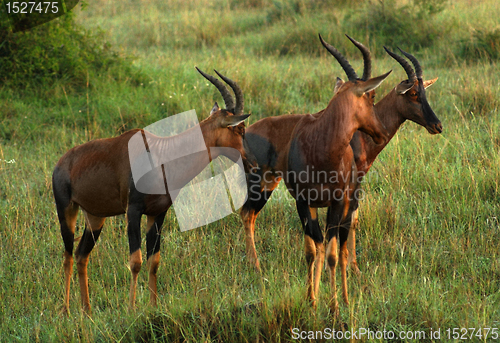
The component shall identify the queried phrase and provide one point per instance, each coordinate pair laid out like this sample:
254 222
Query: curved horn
367 70
406 66
351 74
228 98
238 109
413 59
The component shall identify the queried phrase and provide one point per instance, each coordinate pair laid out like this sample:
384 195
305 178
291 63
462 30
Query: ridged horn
406 66
367 70
228 98
238 109
413 59
351 74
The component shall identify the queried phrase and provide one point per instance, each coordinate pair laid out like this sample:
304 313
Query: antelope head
411 100
360 91
225 127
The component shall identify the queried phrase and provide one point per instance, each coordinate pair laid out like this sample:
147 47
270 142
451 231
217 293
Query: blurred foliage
426 7
482 44
478 100
57 50
291 39
282 9
388 22
234 4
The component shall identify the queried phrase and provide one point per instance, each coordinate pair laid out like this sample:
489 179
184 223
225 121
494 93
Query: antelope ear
404 87
215 108
338 84
371 84
234 120
429 83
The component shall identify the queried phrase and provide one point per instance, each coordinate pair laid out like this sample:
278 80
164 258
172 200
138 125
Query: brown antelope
319 142
407 101
319 145
96 177
269 136
267 140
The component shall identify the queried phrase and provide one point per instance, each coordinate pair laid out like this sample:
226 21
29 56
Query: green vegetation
429 225
484 44
58 51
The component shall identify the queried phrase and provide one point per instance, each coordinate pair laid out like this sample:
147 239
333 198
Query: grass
427 244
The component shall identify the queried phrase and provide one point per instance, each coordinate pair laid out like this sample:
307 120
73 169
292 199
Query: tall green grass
427 244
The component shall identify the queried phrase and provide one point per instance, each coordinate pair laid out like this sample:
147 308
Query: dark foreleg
135 258
314 249
344 253
333 220
153 239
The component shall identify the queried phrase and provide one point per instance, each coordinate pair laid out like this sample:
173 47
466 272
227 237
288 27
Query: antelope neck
390 117
335 128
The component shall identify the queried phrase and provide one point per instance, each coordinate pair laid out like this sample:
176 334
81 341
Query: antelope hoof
254 262
313 303
153 303
64 311
355 268
334 308
87 311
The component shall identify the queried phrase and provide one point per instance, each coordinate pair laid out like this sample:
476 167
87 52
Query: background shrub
58 50
482 44
411 25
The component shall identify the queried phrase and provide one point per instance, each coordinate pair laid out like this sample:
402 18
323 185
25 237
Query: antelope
96 177
407 101
269 136
319 141
321 144
267 140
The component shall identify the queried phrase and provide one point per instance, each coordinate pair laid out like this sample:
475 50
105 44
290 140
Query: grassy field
429 225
